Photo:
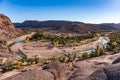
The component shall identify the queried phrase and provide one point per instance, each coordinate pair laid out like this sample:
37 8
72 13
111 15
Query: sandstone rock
58 70
52 71
111 72
33 75
5 22
7 29
116 61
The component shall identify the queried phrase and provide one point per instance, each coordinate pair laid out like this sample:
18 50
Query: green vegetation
85 56
9 46
114 44
27 39
66 58
7 66
97 52
62 40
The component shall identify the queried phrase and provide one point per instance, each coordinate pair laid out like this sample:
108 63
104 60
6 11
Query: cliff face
5 22
7 29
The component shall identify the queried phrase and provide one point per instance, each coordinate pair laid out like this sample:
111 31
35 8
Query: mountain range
68 26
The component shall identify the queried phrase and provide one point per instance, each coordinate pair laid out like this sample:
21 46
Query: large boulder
83 69
59 70
33 75
116 61
52 71
111 72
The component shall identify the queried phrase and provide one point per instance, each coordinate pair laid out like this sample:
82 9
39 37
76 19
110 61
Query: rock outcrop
7 29
107 73
59 70
7 32
111 72
52 71
33 75
116 61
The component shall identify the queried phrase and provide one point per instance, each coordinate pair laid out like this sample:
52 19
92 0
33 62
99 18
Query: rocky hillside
65 26
7 29
117 26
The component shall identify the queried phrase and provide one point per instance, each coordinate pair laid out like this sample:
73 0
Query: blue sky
89 11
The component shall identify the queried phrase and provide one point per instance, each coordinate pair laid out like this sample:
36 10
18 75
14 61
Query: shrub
7 66
85 55
92 54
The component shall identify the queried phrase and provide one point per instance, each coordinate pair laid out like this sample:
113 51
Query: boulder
111 72
59 70
33 75
116 61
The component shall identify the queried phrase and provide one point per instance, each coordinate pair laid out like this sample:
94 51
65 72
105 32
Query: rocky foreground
99 68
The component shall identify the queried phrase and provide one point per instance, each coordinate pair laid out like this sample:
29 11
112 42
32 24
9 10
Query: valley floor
39 48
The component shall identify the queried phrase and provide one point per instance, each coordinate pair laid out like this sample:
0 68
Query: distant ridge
67 26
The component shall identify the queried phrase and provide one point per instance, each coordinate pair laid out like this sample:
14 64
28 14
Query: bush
92 54
85 55
7 66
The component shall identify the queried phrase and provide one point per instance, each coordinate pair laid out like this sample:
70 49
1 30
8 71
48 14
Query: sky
88 11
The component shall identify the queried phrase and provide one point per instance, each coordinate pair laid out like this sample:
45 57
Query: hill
117 26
